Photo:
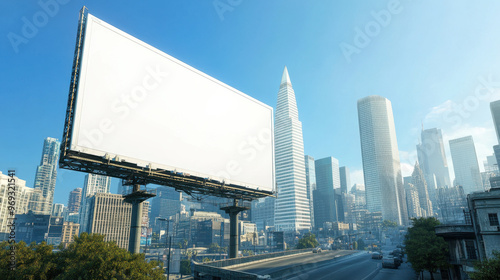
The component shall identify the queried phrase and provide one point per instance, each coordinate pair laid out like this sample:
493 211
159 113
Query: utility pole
168 242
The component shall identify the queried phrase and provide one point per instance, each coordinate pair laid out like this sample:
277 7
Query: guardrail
209 270
231 262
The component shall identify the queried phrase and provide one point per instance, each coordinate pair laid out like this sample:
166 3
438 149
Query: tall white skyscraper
464 157
292 210
381 166
46 174
93 184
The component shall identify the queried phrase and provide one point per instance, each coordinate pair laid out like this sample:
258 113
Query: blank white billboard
138 104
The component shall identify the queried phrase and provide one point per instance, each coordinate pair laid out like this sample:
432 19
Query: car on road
317 250
389 262
377 256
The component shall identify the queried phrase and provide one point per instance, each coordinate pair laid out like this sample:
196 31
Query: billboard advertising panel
136 104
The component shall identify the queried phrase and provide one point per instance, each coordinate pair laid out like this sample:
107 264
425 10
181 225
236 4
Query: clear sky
437 61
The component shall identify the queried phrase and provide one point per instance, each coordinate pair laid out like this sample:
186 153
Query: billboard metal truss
133 173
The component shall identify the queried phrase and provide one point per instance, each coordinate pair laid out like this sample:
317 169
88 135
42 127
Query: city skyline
328 82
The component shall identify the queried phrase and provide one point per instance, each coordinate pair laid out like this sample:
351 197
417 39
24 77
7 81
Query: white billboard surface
139 105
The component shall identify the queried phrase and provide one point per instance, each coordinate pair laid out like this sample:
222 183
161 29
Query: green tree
361 244
214 248
426 250
307 241
488 269
389 224
88 257
185 267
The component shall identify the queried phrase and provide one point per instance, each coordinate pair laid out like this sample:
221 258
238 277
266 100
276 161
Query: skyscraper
310 183
292 211
74 200
418 180
495 114
327 181
464 157
45 178
345 179
381 166
93 184
433 163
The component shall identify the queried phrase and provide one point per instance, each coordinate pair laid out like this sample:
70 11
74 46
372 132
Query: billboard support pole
233 211
136 198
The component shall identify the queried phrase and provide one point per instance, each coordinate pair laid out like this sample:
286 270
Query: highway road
329 265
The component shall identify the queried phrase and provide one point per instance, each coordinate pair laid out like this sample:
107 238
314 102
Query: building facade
292 210
23 197
345 179
75 200
433 162
418 181
110 215
380 154
310 183
495 114
465 164
93 184
46 174
326 208
263 213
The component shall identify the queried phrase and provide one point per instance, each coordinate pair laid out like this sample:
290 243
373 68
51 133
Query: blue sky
437 61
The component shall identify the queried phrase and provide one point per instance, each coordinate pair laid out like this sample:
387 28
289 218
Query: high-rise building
310 183
326 208
74 200
165 204
69 231
93 184
358 190
110 215
58 210
491 165
23 196
418 181
263 213
433 162
381 166
495 114
412 202
464 157
292 210
345 179
45 178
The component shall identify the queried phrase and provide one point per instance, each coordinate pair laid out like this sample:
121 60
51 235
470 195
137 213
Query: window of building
471 249
493 219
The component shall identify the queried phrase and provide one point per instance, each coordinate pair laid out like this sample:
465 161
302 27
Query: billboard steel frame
73 160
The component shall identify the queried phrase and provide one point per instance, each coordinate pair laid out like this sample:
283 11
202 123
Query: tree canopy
88 257
389 224
488 269
307 241
425 250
